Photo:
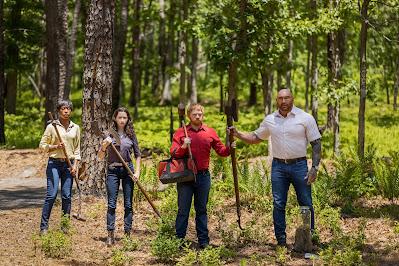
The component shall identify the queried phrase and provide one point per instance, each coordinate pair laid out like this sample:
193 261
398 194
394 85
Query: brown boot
110 239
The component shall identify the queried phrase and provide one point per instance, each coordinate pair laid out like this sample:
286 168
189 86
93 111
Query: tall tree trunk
169 56
221 106
71 49
193 76
135 72
119 42
2 80
363 76
307 75
267 89
162 45
252 94
97 92
52 72
289 64
62 29
183 55
13 58
314 68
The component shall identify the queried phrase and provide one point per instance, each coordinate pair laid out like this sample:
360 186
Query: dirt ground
22 191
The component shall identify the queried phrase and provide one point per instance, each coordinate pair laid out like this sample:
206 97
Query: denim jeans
56 170
282 176
200 190
114 176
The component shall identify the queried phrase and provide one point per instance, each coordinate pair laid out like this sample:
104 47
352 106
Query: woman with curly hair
116 173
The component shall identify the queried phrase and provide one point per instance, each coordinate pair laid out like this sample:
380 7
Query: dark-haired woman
57 167
116 173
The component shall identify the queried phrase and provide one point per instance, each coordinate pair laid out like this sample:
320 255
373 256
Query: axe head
182 109
115 135
232 110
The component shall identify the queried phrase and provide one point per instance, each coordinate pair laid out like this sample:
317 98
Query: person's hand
136 176
186 142
106 142
233 145
58 146
73 170
232 130
311 176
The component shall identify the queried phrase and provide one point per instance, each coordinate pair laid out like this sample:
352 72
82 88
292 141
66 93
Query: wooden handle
136 181
188 145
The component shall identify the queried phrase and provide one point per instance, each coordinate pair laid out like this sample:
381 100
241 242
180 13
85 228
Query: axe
117 139
78 216
232 115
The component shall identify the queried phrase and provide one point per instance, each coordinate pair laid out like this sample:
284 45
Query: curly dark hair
129 129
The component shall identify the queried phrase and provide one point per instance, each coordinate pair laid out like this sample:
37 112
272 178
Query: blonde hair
193 106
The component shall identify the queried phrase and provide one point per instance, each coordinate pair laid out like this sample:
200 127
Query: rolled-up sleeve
263 131
46 139
77 145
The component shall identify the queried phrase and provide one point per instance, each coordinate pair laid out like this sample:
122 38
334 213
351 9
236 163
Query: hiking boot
110 239
43 232
127 234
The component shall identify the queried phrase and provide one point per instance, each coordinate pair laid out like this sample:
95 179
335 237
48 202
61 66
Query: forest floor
22 191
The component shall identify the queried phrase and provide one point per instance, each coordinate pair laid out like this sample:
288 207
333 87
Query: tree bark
2 79
135 71
289 64
307 76
221 103
363 76
52 72
72 48
183 55
314 68
62 29
193 76
267 89
119 42
161 45
12 52
252 94
97 92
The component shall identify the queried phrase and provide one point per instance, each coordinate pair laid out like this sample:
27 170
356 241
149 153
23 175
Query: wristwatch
315 167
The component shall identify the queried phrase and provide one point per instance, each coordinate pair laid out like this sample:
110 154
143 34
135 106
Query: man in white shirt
290 129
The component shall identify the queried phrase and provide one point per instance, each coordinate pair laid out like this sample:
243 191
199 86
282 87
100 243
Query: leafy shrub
210 256
166 248
55 244
130 244
190 258
119 258
387 177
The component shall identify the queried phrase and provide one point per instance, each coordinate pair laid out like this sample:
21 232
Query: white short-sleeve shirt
289 135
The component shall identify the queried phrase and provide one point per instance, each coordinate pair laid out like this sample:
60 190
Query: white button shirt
289 135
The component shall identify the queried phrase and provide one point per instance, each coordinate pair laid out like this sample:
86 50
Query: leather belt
58 159
289 161
115 165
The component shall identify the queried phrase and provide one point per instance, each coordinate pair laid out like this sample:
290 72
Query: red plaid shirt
201 143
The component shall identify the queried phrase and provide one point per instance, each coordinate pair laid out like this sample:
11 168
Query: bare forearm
248 137
138 162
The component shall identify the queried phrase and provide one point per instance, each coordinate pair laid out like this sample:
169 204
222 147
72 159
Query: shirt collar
294 111
202 127
71 124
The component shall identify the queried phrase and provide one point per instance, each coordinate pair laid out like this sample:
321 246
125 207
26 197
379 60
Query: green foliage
54 244
166 248
396 228
189 258
130 244
281 255
119 258
210 257
387 176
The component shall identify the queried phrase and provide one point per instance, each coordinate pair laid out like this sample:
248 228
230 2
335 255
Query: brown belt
115 165
289 161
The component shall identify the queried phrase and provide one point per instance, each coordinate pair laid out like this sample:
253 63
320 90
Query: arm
45 142
77 150
103 148
218 146
178 145
316 157
137 155
250 137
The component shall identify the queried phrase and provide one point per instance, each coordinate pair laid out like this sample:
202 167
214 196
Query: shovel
115 135
78 215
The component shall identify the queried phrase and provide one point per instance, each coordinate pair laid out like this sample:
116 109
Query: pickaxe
115 135
78 216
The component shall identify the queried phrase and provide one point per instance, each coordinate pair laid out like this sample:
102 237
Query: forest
340 59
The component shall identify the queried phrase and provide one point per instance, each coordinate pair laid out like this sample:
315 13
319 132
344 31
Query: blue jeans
114 176
282 176
200 190
55 171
